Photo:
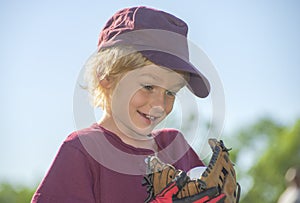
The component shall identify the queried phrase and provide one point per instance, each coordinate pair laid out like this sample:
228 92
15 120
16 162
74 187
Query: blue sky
254 45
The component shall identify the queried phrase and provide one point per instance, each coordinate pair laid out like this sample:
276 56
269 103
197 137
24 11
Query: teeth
150 117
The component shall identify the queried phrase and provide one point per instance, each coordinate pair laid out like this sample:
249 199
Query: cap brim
197 83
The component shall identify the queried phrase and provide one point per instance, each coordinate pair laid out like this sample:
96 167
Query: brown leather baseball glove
219 174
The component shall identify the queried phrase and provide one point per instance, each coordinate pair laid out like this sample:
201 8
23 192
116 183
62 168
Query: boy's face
143 98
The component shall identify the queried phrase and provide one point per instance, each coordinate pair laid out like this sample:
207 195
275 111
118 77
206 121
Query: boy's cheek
168 111
138 99
169 106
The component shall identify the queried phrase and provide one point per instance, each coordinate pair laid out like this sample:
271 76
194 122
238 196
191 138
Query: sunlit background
254 46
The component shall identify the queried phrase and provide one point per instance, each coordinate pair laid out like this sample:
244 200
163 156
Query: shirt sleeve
69 179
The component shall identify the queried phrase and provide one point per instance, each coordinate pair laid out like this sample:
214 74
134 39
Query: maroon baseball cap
159 36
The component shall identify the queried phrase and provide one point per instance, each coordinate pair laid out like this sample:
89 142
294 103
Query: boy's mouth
147 116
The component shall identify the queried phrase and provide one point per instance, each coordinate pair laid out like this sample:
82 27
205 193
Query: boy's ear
106 82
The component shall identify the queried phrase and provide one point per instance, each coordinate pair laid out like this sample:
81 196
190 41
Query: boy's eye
170 93
152 87
148 87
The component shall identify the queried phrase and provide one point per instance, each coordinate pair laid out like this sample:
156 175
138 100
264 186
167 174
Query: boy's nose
158 101
157 111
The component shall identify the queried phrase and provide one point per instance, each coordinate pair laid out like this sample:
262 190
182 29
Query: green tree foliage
263 153
15 194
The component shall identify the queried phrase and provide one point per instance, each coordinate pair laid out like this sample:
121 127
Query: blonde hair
112 63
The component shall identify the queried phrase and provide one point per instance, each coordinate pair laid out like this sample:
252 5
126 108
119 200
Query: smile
147 116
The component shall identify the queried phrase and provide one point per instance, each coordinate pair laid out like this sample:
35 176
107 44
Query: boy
141 63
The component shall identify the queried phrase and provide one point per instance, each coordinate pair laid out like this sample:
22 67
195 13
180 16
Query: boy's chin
142 133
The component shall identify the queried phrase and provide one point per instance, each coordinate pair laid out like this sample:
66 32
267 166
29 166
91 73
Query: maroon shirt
94 165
